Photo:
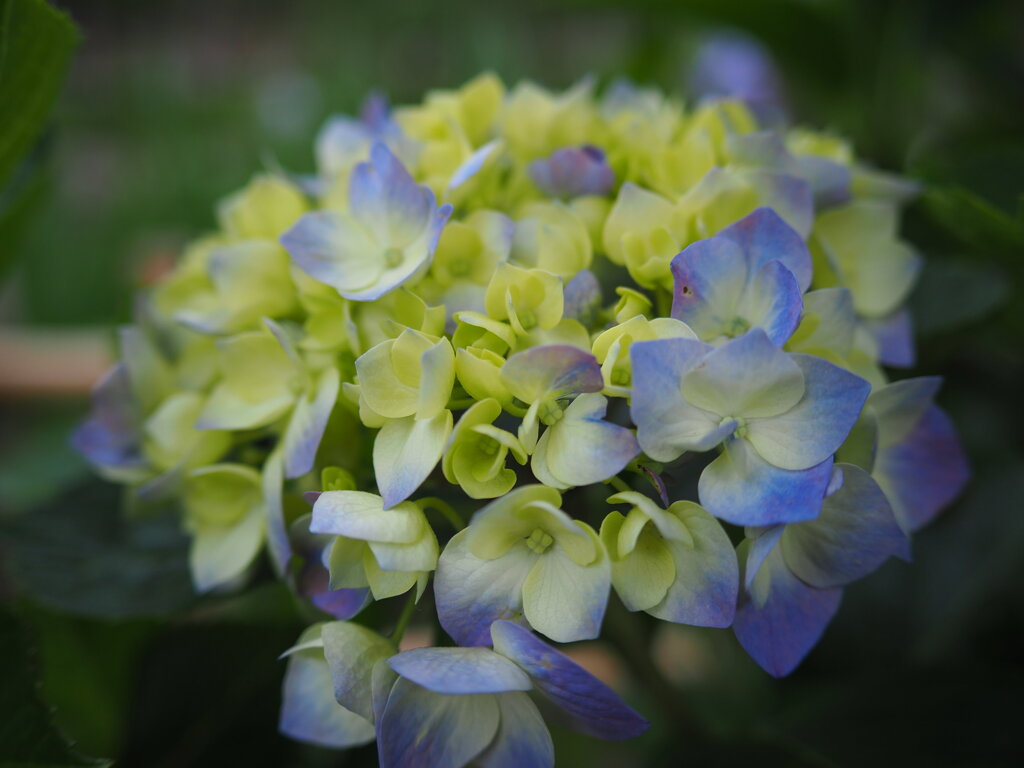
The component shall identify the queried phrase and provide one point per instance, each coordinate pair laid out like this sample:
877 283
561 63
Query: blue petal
551 370
471 593
596 709
895 338
386 200
666 424
924 472
855 533
523 740
742 488
307 423
460 670
830 181
572 172
747 377
737 66
815 427
473 165
781 618
110 438
709 277
430 730
582 297
309 711
773 302
763 236
272 483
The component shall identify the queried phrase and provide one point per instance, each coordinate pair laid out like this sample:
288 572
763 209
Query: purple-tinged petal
309 711
815 427
596 709
709 277
471 593
781 618
855 533
764 236
551 370
522 740
582 297
111 439
573 172
375 112
667 425
460 670
738 66
430 730
748 377
895 338
830 181
307 424
277 533
386 200
742 488
923 472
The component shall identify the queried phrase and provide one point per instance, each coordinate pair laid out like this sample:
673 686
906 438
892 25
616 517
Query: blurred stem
403 620
625 631
446 509
618 484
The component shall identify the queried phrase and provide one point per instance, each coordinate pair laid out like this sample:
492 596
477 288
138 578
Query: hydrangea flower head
533 348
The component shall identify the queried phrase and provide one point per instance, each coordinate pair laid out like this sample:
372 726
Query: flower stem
446 509
618 484
403 619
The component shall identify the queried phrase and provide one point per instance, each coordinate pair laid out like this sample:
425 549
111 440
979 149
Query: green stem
446 509
403 619
618 484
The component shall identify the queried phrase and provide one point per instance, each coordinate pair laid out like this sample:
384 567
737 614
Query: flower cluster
492 306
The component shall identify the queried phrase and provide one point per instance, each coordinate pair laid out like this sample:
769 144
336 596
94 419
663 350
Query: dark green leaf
80 554
28 737
36 42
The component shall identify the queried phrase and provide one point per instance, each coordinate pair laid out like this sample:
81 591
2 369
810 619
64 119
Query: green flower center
550 412
539 541
741 425
527 319
392 257
488 446
736 327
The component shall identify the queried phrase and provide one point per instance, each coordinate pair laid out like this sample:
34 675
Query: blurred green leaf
80 554
979 225
28 737
36 42
955 293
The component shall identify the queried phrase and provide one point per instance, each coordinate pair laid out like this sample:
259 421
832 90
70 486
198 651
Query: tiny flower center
737 327
539 541
550 412
487 445
392 257
459 266
741 425
621 377
527 319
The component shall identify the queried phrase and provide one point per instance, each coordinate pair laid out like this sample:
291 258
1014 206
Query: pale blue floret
573 172
749 275
781 418
452 707
387 236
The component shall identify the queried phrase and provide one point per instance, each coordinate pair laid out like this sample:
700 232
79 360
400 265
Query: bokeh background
170 106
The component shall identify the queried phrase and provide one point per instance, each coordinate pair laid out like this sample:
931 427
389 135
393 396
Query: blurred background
168 107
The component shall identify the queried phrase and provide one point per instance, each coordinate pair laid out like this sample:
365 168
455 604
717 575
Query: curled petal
460 670
596 709
573 172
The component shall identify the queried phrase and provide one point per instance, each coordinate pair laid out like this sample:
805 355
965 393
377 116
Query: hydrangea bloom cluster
533 348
